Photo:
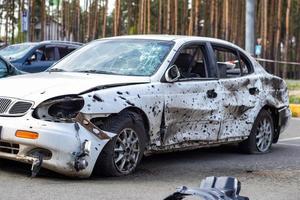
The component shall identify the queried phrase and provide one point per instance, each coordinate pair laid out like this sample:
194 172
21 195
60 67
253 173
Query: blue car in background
37 56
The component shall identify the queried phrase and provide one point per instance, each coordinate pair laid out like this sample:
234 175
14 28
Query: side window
63 51
191 62
43 54
38 55
49 54
245 65
228 62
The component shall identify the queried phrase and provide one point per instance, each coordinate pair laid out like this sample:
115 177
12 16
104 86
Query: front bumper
63 140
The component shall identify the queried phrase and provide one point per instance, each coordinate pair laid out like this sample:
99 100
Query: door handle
211 94
253 90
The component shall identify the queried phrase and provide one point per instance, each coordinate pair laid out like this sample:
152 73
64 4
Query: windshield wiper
87 71
93 71
56 70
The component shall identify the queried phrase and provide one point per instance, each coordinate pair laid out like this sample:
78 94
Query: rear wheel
123 153
261 137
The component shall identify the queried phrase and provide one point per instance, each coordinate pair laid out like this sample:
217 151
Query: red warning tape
276 61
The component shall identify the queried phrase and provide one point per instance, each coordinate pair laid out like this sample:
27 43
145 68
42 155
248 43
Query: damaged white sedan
112 101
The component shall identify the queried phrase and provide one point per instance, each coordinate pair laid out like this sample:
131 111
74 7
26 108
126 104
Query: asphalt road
273 176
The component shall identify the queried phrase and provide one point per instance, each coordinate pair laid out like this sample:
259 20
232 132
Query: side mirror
172 74
3 69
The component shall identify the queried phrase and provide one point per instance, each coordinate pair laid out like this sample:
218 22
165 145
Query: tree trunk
176 17
184 17
32 15
116 15
104 19
95 20
68 23
226 19
216 21
160 16
129 15
87 34
286 40
277 37
6 23
191 20
271 32
168 16
148 16
145 17
235 26
196 23
207 28
43 18
141 16
212 17
297 30
265 27
12 22
78 19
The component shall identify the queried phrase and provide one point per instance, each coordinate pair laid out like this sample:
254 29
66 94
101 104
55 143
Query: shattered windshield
119 56
15 51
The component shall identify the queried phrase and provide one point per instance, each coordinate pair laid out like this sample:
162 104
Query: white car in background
110 102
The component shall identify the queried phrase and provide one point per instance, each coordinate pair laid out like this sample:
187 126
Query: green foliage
54 2
294 99
293 84
132 30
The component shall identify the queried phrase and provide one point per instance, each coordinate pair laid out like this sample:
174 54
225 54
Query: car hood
41 86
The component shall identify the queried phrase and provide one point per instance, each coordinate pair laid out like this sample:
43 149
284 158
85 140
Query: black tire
262 130
121 124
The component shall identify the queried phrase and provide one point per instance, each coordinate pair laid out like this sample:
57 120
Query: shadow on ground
216 160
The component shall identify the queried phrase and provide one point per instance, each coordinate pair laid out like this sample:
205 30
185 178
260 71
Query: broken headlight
63 108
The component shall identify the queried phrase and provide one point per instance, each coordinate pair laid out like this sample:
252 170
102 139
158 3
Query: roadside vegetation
294 91
294 96
293 85
294 99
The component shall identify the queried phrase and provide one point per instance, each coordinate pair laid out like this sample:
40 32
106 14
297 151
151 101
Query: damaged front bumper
71 149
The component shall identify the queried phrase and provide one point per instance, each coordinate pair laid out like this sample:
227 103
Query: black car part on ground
211 188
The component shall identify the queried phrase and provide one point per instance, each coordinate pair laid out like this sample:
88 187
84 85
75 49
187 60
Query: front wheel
261 137
123 153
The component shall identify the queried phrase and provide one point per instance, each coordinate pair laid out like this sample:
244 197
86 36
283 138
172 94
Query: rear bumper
284 115
63 140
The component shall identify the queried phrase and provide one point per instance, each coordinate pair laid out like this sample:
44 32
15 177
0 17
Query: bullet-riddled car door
191 109
241 91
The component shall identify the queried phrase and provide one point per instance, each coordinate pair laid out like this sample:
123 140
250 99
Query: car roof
60 42
171 38
51 42
177 38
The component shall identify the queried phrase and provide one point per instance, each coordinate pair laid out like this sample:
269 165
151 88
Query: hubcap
264 135
126 151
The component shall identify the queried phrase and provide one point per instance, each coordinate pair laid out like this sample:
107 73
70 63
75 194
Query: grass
294 99
294 88
293 84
